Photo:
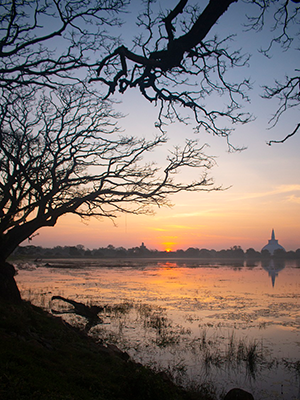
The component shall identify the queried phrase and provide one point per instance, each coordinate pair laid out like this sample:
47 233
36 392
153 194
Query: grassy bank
43 358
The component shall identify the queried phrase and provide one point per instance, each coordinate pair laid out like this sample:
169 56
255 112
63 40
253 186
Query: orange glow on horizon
169 246
245 224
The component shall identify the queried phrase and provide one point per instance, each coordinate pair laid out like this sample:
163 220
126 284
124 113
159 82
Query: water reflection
202 322
273 267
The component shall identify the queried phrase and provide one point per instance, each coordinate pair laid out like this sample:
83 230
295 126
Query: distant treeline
142 251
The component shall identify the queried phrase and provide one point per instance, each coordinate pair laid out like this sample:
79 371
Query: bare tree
288 94
59 149
66 156
182 70
286 90
43 43
177 62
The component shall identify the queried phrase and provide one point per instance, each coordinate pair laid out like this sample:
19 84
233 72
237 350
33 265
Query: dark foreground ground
43 358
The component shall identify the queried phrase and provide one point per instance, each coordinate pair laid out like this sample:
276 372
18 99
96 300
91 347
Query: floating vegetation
292 365
120 308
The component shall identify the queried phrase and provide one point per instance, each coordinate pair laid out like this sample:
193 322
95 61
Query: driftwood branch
88 312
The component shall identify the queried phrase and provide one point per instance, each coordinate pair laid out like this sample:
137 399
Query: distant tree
121 252
236 251
176 62
290 255
80 247
74 251
265 254
192 252
222 253
205 253
251 253
98 253
280 253
180 253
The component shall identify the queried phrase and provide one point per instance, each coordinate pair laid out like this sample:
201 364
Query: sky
261 184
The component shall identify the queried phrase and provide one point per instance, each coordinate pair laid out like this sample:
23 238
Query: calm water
225 325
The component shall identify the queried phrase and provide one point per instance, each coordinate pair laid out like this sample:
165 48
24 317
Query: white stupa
272 245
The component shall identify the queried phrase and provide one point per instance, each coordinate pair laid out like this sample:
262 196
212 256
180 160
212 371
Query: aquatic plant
292 365
251 358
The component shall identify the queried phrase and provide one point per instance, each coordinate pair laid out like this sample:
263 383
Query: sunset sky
262 183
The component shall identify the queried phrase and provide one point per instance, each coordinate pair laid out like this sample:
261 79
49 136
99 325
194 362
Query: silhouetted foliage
43 43
251 253
142 251
176 62
285 89
60 151
67 157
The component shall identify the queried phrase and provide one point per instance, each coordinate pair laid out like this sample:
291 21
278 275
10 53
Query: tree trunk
8 288
8 243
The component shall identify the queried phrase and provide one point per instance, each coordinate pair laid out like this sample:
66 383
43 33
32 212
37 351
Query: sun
169 246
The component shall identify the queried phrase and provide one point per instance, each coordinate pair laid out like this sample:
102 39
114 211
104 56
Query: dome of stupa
272 245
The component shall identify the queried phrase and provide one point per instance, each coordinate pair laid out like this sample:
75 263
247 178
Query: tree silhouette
67 156
44 43
176 62
43 46
60 147
286 90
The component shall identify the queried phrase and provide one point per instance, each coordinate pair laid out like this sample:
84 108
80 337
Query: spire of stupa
273 235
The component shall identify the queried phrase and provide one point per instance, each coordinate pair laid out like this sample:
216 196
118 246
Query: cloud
167 228
197 213
294 199
288 188
278 190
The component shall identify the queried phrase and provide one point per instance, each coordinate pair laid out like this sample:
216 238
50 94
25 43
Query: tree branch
286 137
60 159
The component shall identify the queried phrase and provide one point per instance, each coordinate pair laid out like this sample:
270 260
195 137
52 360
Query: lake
214 325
